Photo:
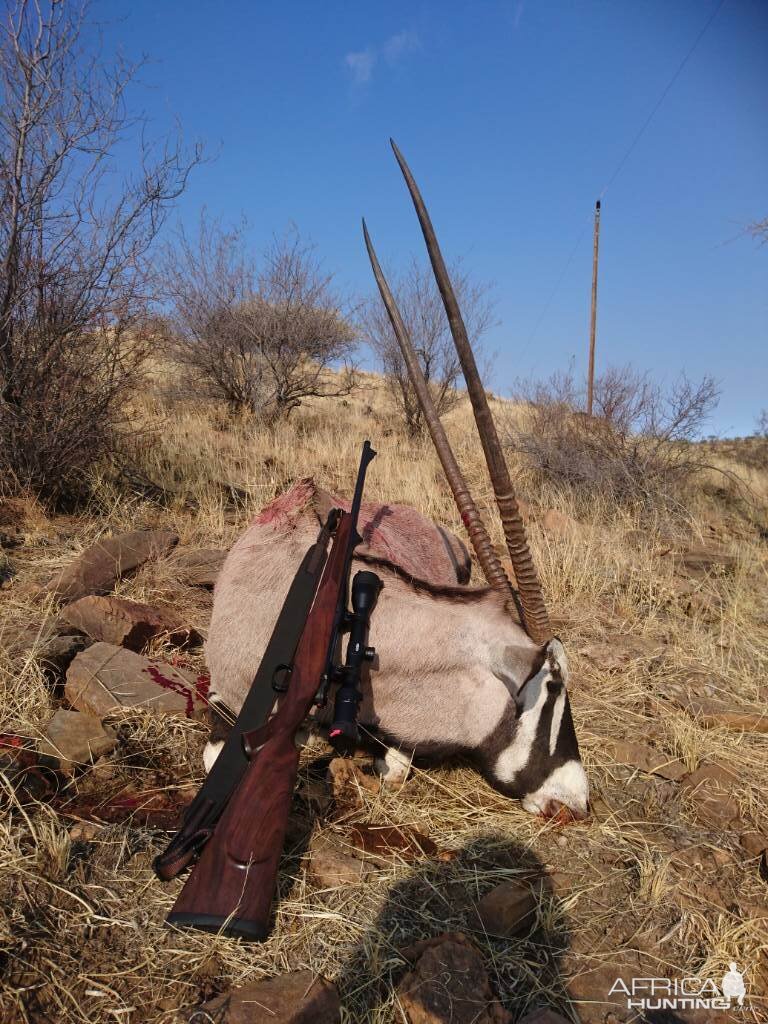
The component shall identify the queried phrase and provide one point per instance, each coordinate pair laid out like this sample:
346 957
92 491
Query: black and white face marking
542 765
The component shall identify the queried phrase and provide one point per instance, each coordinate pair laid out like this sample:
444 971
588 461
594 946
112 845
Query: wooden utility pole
593 318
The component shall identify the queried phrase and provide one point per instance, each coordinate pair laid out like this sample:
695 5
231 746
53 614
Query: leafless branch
638 445
759 230
74 245
422 309
264 336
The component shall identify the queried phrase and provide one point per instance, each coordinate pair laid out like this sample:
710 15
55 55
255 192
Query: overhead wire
620 165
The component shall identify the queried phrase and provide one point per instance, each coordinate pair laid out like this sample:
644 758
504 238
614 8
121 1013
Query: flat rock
105 678
711 787
296 998
391 842
754 843
124 623
96 569
197 567
349 784
616 652
647 759
449 984
714 713
331 865
72 739
508 909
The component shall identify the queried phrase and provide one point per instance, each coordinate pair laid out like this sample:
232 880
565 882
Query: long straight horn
481 542
535 618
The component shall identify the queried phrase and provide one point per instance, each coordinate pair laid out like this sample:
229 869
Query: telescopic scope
343 734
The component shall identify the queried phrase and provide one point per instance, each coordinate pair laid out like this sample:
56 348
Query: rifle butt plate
236 927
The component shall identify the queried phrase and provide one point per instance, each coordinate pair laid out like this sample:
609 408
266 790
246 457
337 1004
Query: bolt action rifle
238 827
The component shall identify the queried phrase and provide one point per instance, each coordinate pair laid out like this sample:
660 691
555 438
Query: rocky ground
436 901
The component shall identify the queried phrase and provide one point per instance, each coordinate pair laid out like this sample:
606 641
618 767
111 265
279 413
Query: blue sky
513 116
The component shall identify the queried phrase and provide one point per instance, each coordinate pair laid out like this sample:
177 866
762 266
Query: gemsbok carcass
460 669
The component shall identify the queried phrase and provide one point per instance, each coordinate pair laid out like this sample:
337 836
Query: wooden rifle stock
230 889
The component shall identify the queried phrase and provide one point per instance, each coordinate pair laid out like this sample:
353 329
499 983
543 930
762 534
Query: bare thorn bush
260 336
636 448
759 230
74 248
422 309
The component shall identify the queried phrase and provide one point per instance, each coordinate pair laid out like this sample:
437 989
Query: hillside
665 620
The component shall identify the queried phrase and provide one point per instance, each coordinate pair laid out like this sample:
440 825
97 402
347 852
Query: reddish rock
508 909
349 784
449 984
96 569
713 713
105 678
391 842
73 739
647 759
197 567
297 998
124 623
754 843
331 865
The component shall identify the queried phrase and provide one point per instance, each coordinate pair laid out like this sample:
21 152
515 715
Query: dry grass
81 924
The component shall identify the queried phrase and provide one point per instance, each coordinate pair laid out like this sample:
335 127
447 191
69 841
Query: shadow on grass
441 897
